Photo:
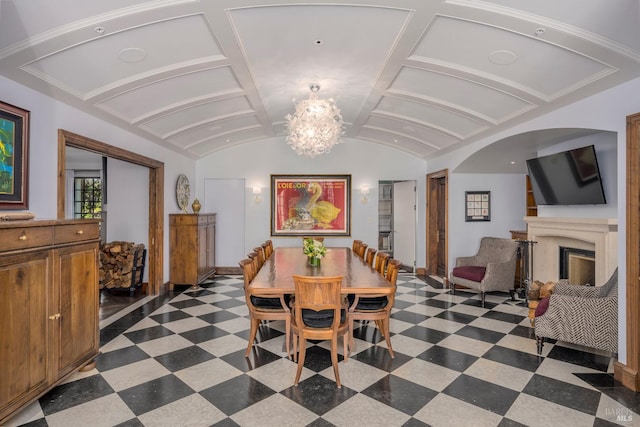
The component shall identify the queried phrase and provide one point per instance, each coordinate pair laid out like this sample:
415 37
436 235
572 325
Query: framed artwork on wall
310 205
14 157
478 206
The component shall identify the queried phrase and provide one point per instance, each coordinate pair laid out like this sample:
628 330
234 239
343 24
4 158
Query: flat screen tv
567 178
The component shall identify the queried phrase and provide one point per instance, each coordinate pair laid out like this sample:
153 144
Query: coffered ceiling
420 75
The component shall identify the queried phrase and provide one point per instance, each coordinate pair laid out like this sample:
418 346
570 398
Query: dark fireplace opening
578 266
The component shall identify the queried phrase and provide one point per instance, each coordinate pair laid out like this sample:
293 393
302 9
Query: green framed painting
14 157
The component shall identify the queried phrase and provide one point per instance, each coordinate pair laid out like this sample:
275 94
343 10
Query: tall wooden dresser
192 240
49 300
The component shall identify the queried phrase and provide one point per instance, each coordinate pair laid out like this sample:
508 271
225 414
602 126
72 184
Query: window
87 197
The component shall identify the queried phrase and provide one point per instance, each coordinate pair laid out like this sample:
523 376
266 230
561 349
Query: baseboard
628 377
233 271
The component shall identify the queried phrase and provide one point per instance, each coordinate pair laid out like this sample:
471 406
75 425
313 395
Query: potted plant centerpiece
314 250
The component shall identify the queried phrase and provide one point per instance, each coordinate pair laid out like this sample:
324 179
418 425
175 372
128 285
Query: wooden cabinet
48 306
532 207
191 248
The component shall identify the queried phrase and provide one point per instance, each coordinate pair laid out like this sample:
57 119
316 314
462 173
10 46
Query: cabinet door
202 252
25 281
77 268
211 248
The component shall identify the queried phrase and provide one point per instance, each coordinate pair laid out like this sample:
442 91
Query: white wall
49 115
365 161
507 210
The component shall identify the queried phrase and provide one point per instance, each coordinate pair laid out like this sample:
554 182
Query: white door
225 198
404 222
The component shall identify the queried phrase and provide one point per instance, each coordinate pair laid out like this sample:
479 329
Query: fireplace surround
599 235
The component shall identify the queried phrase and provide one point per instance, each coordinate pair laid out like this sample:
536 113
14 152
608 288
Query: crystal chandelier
316 126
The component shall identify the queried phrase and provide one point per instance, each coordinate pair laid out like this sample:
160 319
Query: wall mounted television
567 178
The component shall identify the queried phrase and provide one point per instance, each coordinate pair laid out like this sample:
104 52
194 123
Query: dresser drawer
25 237
70 233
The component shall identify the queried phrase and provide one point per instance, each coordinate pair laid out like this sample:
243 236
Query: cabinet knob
23 236
80 232
55 316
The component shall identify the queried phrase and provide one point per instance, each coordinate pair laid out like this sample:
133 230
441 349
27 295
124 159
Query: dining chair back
362 249
356 244
318 314
381 262
260 251
371 254
393 267
376 308
264 307
268 250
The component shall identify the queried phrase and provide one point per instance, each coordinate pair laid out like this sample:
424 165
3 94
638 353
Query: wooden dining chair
381 262
355 245
264 307
318 314
371 254
376 308
362 249
268 250
260 251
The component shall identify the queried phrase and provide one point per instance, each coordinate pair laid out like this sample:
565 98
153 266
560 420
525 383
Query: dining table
276 275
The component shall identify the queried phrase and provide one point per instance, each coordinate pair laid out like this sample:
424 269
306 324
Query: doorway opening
437 223
397 221
155 203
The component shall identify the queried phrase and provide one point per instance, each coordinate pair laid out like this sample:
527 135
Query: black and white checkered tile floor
179 360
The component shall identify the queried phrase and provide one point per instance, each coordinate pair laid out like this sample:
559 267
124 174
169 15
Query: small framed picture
478 206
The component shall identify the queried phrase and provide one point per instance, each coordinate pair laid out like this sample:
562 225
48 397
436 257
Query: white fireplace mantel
595 234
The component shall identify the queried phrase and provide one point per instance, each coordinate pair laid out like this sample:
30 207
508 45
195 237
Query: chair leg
347 347
352 341
287 336
387 336
334 360
539 344
252 335
482 295
301 356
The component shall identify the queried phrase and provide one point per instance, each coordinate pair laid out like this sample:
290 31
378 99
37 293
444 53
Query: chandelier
316 126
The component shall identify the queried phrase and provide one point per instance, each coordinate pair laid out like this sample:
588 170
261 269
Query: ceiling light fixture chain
316 126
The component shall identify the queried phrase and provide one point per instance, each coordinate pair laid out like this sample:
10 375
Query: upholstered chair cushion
322 318
470 272
262 302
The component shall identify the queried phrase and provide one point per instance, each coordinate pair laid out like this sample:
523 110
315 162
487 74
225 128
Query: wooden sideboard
191 248
49 301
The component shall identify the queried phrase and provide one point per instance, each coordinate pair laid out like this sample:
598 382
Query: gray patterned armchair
583 315
493 268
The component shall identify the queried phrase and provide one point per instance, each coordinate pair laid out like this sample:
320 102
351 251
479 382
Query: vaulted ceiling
423 76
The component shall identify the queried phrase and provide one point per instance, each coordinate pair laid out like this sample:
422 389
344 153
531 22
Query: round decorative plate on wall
183 192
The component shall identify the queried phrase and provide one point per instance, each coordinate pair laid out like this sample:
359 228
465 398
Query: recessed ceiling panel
429 136
341 47
45 15
172 123
613 20
405 144
95 64
430 116
211 130
226 141
476 99
133 104
542 69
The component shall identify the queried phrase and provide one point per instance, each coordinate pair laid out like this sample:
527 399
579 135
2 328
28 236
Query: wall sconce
257 198
364 191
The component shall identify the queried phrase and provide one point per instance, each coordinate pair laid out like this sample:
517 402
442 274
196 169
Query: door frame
628 374
431 210
156 194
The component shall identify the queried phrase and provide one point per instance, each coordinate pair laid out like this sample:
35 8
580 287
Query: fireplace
578 266
599 235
